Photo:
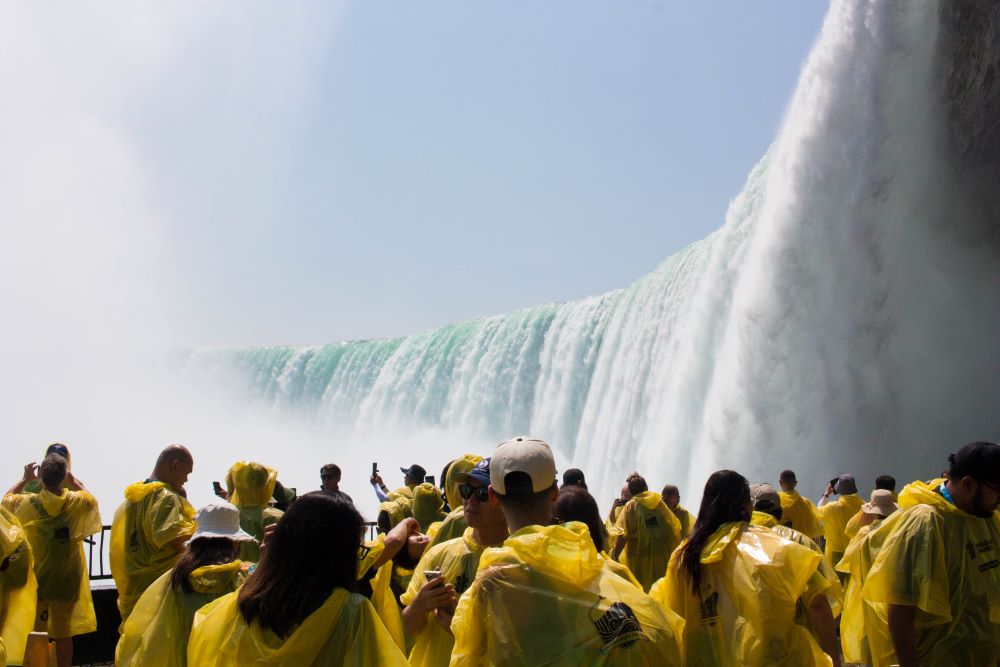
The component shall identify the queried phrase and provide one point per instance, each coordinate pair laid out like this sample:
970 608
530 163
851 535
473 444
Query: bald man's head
173 466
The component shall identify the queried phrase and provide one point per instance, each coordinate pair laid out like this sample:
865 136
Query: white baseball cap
522 466
220 519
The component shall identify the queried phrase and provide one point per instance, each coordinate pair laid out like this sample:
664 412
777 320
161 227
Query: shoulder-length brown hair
313 550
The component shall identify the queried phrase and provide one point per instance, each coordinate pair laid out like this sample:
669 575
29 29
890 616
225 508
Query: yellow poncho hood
250 484
458 467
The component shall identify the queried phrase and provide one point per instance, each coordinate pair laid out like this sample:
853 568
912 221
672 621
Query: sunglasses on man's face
327 476
466 491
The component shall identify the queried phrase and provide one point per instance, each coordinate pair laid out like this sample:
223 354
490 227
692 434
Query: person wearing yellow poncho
672 499
56 522
156 632
796 511
862 624
647 531
18 589
298 608
737 588
767 513
430 600
412 476
377 579
938 570
575 503
427 504
545 596
150 528
616 509
250 486
836 514
454 524
882 482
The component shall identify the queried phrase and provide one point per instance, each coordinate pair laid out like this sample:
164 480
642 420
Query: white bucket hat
880 504
220 519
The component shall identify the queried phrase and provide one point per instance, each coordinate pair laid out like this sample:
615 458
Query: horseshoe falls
843 318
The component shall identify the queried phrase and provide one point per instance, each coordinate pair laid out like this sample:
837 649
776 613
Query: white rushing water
843 318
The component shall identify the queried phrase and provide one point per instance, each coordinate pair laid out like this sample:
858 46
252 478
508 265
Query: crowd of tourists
500 564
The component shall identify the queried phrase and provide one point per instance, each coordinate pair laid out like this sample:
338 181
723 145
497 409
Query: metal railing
100 543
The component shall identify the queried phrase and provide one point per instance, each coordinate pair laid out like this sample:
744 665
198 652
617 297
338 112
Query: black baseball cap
415 471
979 460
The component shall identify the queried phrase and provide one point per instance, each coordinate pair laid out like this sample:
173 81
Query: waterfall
842 319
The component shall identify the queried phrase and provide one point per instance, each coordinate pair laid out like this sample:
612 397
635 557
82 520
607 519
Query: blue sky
301 173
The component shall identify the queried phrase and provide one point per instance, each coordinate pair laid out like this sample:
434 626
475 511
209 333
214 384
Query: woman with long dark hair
156 632
299 606
737 587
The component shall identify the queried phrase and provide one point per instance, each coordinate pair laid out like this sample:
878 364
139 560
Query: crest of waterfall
843 318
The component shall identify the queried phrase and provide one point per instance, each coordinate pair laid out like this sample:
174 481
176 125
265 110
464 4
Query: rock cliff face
968 62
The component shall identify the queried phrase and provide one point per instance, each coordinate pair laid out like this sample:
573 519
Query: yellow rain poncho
152 517
458 467
156 633
946 563
616 568
427 504
864 624
833 589
250 487
651 532
686 519
453 526
402 492
343 631
382 598
56 526
397 510
458 561
800 513
545 597
835 516
852 527
18 588
744 613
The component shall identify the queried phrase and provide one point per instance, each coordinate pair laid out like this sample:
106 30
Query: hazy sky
259 173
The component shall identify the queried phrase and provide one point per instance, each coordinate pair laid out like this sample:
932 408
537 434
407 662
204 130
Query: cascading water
844 317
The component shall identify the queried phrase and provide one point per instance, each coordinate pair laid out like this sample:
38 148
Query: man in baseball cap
412 476
938 571
546 576
446 570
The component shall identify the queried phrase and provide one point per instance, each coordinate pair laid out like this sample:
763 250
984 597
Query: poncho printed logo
618 626
710 609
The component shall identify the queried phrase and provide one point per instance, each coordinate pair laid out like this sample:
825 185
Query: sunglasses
327 476
482 493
